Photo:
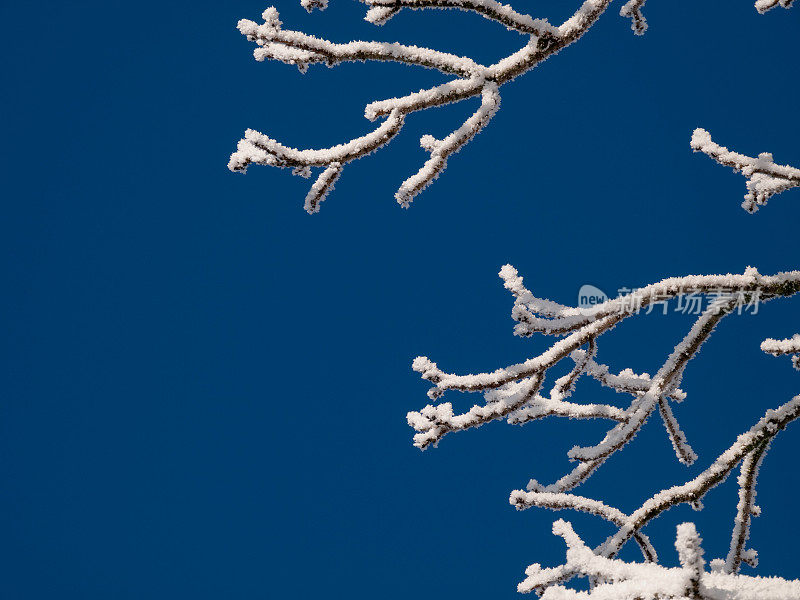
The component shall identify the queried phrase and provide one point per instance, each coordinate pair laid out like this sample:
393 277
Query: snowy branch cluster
515 393
618 580
764 177
467 79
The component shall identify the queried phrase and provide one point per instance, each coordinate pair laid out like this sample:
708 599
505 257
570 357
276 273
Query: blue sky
205 388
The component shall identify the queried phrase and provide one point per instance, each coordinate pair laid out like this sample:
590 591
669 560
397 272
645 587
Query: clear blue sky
205 389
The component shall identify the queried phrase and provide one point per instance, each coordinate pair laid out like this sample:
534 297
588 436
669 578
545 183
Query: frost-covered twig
746 509
763 6
441 149
323 184
690 554
382 10
472 79
683 450
764 177
789 346
633 10
562 501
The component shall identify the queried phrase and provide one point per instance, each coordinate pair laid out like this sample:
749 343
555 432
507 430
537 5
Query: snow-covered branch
789 346
764 177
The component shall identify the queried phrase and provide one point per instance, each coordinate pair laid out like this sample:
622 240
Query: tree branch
512 392
764 177
789 346
748 449
615 579
490 9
